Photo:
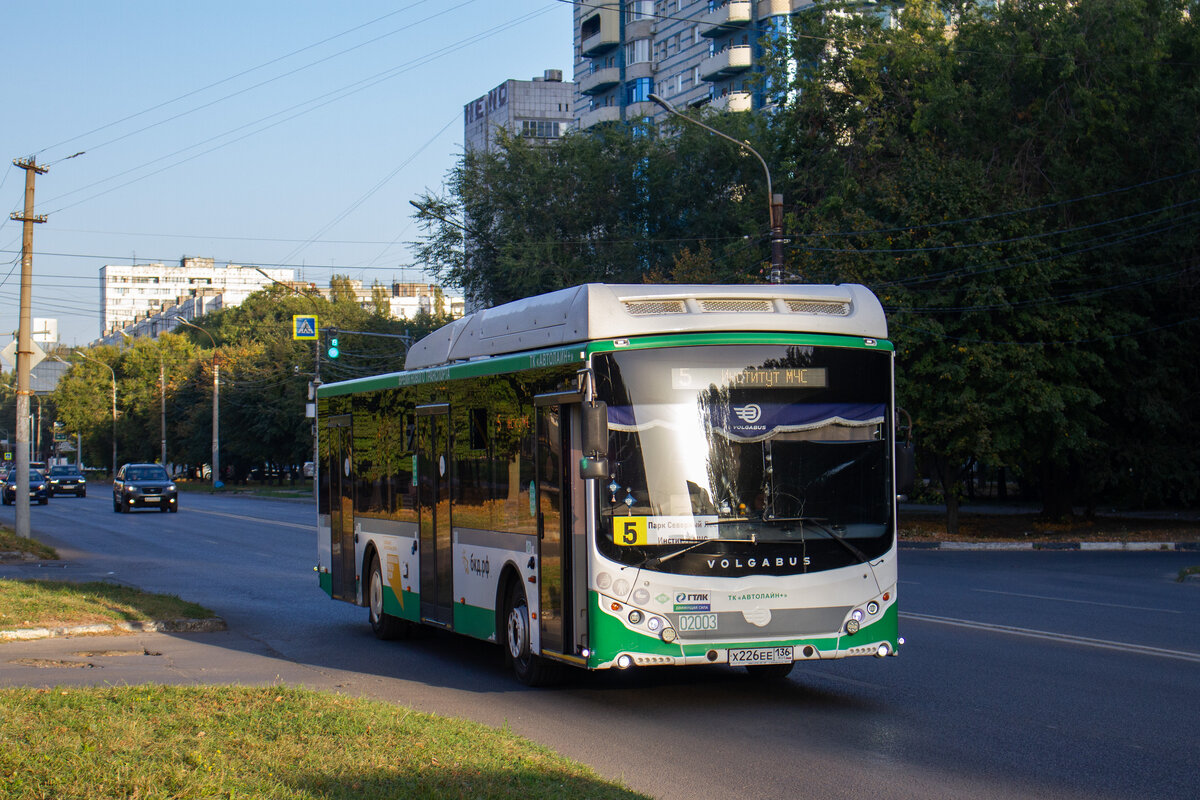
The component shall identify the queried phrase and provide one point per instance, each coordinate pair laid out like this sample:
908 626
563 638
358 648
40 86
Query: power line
300 109
237 75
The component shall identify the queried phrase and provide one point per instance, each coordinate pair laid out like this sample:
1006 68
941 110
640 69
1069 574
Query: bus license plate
761 655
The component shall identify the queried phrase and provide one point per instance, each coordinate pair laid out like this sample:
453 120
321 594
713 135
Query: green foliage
264 376
612 204
1017 189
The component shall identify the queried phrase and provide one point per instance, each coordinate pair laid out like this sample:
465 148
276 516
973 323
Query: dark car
144 486
65 479
37 488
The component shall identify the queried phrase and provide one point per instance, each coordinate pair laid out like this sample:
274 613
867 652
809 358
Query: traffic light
332 352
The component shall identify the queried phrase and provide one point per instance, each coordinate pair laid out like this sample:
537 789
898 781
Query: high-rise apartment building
690 52
542 108
128 292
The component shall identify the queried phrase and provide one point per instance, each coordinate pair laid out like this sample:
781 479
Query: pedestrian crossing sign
304 326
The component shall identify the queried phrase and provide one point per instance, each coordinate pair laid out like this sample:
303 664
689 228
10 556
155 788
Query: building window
637 51
639 90
540 129
639 9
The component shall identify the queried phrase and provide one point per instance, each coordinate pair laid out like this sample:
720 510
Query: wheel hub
518 631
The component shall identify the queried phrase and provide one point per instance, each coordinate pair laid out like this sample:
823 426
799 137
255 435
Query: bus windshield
776 453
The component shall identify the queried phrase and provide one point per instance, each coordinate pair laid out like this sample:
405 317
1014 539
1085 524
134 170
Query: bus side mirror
594 421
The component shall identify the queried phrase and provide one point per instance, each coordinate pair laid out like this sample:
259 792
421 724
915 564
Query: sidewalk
1064 545
188 659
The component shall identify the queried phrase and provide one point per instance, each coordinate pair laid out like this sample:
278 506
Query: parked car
37 488
66 479
145 486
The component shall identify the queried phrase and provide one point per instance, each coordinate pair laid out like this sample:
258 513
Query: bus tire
530 669
770 672
384 625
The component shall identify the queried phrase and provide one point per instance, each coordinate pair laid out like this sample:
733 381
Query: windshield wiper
821 526
654 561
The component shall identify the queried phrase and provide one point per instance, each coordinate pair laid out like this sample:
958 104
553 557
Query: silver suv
145 486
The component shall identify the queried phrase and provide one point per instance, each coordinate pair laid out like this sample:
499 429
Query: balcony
600 32
597 115
600 81
733 101
727 63
726 19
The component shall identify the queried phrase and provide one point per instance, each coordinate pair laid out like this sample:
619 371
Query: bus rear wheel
530 669
384 625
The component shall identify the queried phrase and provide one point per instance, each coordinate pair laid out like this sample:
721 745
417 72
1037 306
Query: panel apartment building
690 52
541 108
132 292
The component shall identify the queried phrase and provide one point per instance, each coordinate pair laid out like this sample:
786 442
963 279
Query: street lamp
81 354
774 201
162 396
216 422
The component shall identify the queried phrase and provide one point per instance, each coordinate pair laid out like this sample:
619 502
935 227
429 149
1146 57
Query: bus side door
433 504
562 560
336 469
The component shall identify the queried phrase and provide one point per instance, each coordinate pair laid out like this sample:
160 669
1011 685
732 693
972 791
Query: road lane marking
253 519
1066 638
1081 602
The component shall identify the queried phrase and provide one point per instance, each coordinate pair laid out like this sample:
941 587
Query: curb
150 626
1091 546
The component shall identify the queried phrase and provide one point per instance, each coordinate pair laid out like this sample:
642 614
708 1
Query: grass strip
11 543
50 604
176 742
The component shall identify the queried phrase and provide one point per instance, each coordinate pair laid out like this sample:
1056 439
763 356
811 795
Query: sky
255 132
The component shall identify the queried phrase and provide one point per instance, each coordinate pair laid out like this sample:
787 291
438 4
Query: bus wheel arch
517 635
383 625
509 575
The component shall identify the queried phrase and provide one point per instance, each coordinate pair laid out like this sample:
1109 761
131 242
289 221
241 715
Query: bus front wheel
530 669
384 625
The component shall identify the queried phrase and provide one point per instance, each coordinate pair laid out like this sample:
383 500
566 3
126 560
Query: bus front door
336 469
433 502
562 581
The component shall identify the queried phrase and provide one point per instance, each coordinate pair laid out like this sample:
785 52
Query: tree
610 204
990 182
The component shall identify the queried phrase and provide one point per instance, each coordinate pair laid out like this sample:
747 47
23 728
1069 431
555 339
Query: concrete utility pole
25 342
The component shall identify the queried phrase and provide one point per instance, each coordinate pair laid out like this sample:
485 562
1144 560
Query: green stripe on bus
475 621
610 637
578 353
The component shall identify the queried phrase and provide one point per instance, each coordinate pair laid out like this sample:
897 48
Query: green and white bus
612 476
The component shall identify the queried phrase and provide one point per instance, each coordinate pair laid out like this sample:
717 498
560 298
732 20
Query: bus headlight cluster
855 621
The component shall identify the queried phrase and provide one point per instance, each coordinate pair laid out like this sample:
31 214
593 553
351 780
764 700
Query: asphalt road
1026 674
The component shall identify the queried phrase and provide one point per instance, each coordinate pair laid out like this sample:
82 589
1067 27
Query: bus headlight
668 635
872 608
852 626
654 623
635 617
